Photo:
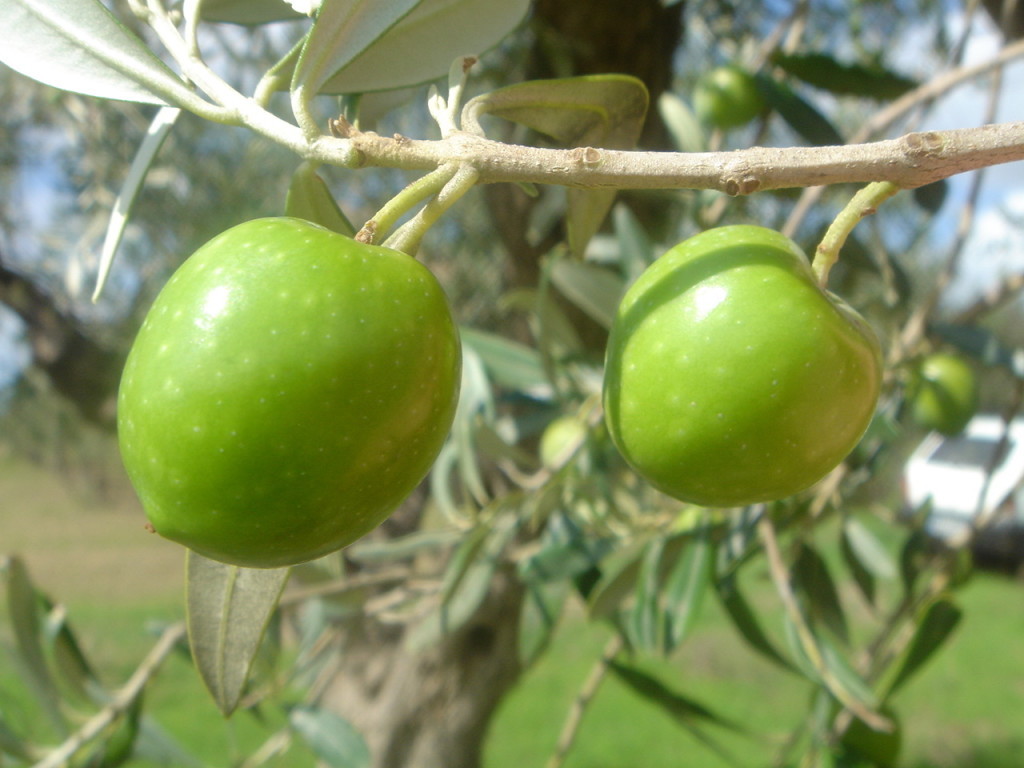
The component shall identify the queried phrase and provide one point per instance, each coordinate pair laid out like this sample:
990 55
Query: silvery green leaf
80 46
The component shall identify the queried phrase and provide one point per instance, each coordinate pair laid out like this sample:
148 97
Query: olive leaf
420 47
248 12
747 622
159 128
594 289
822 70
80 46
588 111
935 628
798 113
24 608
335 742
228 611
813 580
342 31
361 46
309 198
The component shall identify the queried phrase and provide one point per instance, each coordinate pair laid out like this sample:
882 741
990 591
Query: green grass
965 709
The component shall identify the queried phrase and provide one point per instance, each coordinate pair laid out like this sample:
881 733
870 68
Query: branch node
367 233
587 157
923 143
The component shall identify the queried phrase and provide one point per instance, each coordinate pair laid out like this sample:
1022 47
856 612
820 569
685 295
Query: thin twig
882 120
121 702
780 578
574 719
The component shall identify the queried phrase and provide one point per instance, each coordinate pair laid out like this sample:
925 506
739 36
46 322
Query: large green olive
731 376
288 388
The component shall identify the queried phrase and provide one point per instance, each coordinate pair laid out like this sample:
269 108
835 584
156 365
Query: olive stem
417 191
780 575
863 204
408 237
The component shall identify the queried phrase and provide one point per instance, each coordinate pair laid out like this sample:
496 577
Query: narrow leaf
12 744
309 198
334 740
538 617
510 363
69 662
80 46
936 627
401 548
249 12
468 578
421 46
747 623
158 130
593 110
685 588
798 113
343 30
683 709
644 623
862 576
636 250
813 580
476 401
596 290
588 111
23 606
228 611
880 748
683 125
616 583
824 71
117 745
865 553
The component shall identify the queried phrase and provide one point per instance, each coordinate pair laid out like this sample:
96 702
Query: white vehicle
967 486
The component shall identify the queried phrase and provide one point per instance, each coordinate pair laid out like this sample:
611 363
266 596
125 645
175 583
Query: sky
995 246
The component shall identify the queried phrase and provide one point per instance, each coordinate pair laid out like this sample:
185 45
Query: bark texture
430 708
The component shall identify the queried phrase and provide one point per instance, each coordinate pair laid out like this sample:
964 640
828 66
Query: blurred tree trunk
81 369
431 708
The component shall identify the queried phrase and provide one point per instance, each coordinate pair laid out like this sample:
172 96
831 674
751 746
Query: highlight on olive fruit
731 376
287 390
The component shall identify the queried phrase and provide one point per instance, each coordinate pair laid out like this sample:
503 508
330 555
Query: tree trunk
430 708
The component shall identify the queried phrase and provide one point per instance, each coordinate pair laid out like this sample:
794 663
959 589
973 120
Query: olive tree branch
909 161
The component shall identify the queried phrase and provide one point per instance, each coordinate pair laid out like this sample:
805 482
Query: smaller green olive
945 394
727 97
